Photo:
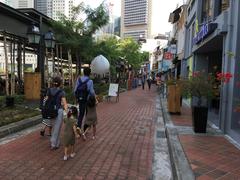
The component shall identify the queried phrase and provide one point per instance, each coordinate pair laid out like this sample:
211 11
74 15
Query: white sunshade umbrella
100 65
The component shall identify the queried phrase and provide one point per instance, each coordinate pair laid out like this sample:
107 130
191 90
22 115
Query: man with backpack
82 91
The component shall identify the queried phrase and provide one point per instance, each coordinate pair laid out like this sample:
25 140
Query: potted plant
200 88
174 98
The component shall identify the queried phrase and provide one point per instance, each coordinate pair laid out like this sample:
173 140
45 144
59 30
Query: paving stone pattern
183 119
122 150
210 156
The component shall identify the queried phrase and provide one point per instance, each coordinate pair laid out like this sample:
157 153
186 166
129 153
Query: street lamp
34 37
33 34
42 41
49 40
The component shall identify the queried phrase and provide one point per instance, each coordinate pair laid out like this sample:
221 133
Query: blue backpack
82 92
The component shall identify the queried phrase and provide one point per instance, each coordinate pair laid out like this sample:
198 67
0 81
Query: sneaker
42 132
54 148
72 155
65 158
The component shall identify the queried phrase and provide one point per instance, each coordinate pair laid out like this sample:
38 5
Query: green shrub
16 113
101 88
2 101
18 99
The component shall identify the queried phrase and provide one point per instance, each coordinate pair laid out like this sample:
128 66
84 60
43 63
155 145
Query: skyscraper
7 2
136 18
19 3
42 6
55 8
22 3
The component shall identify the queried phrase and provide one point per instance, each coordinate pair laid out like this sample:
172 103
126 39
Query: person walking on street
70 132
143 78
91 117
46 123
149 81
82 91
61 104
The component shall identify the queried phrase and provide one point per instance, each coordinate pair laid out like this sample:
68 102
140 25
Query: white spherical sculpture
100 65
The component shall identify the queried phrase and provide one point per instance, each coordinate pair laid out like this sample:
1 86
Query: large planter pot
174 99
199 117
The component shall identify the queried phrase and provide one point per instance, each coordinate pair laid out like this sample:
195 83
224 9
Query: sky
161 11
116 5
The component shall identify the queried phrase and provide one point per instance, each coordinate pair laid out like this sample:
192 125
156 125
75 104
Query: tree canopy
77 35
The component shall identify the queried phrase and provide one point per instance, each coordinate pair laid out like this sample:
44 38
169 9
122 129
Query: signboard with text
113 89
205 31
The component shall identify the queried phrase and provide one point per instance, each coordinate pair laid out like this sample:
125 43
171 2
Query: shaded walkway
123 148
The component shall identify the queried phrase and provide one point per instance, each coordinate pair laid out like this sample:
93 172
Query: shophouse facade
212 44
177 38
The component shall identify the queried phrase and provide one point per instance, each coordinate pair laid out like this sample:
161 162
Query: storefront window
207 10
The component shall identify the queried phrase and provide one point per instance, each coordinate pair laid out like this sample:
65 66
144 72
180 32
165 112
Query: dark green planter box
199 117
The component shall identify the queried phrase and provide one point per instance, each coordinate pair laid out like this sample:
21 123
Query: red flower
228 76
224 77
220 76
195 74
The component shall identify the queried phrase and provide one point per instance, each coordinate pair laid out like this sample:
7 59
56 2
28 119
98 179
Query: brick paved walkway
183 119
122 149
210 156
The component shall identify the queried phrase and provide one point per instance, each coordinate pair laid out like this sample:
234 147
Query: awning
174 16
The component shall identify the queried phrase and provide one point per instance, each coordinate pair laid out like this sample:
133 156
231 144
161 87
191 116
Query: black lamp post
33 34
49 40
41 41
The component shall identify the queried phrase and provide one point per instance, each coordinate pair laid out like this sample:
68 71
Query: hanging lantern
100 65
